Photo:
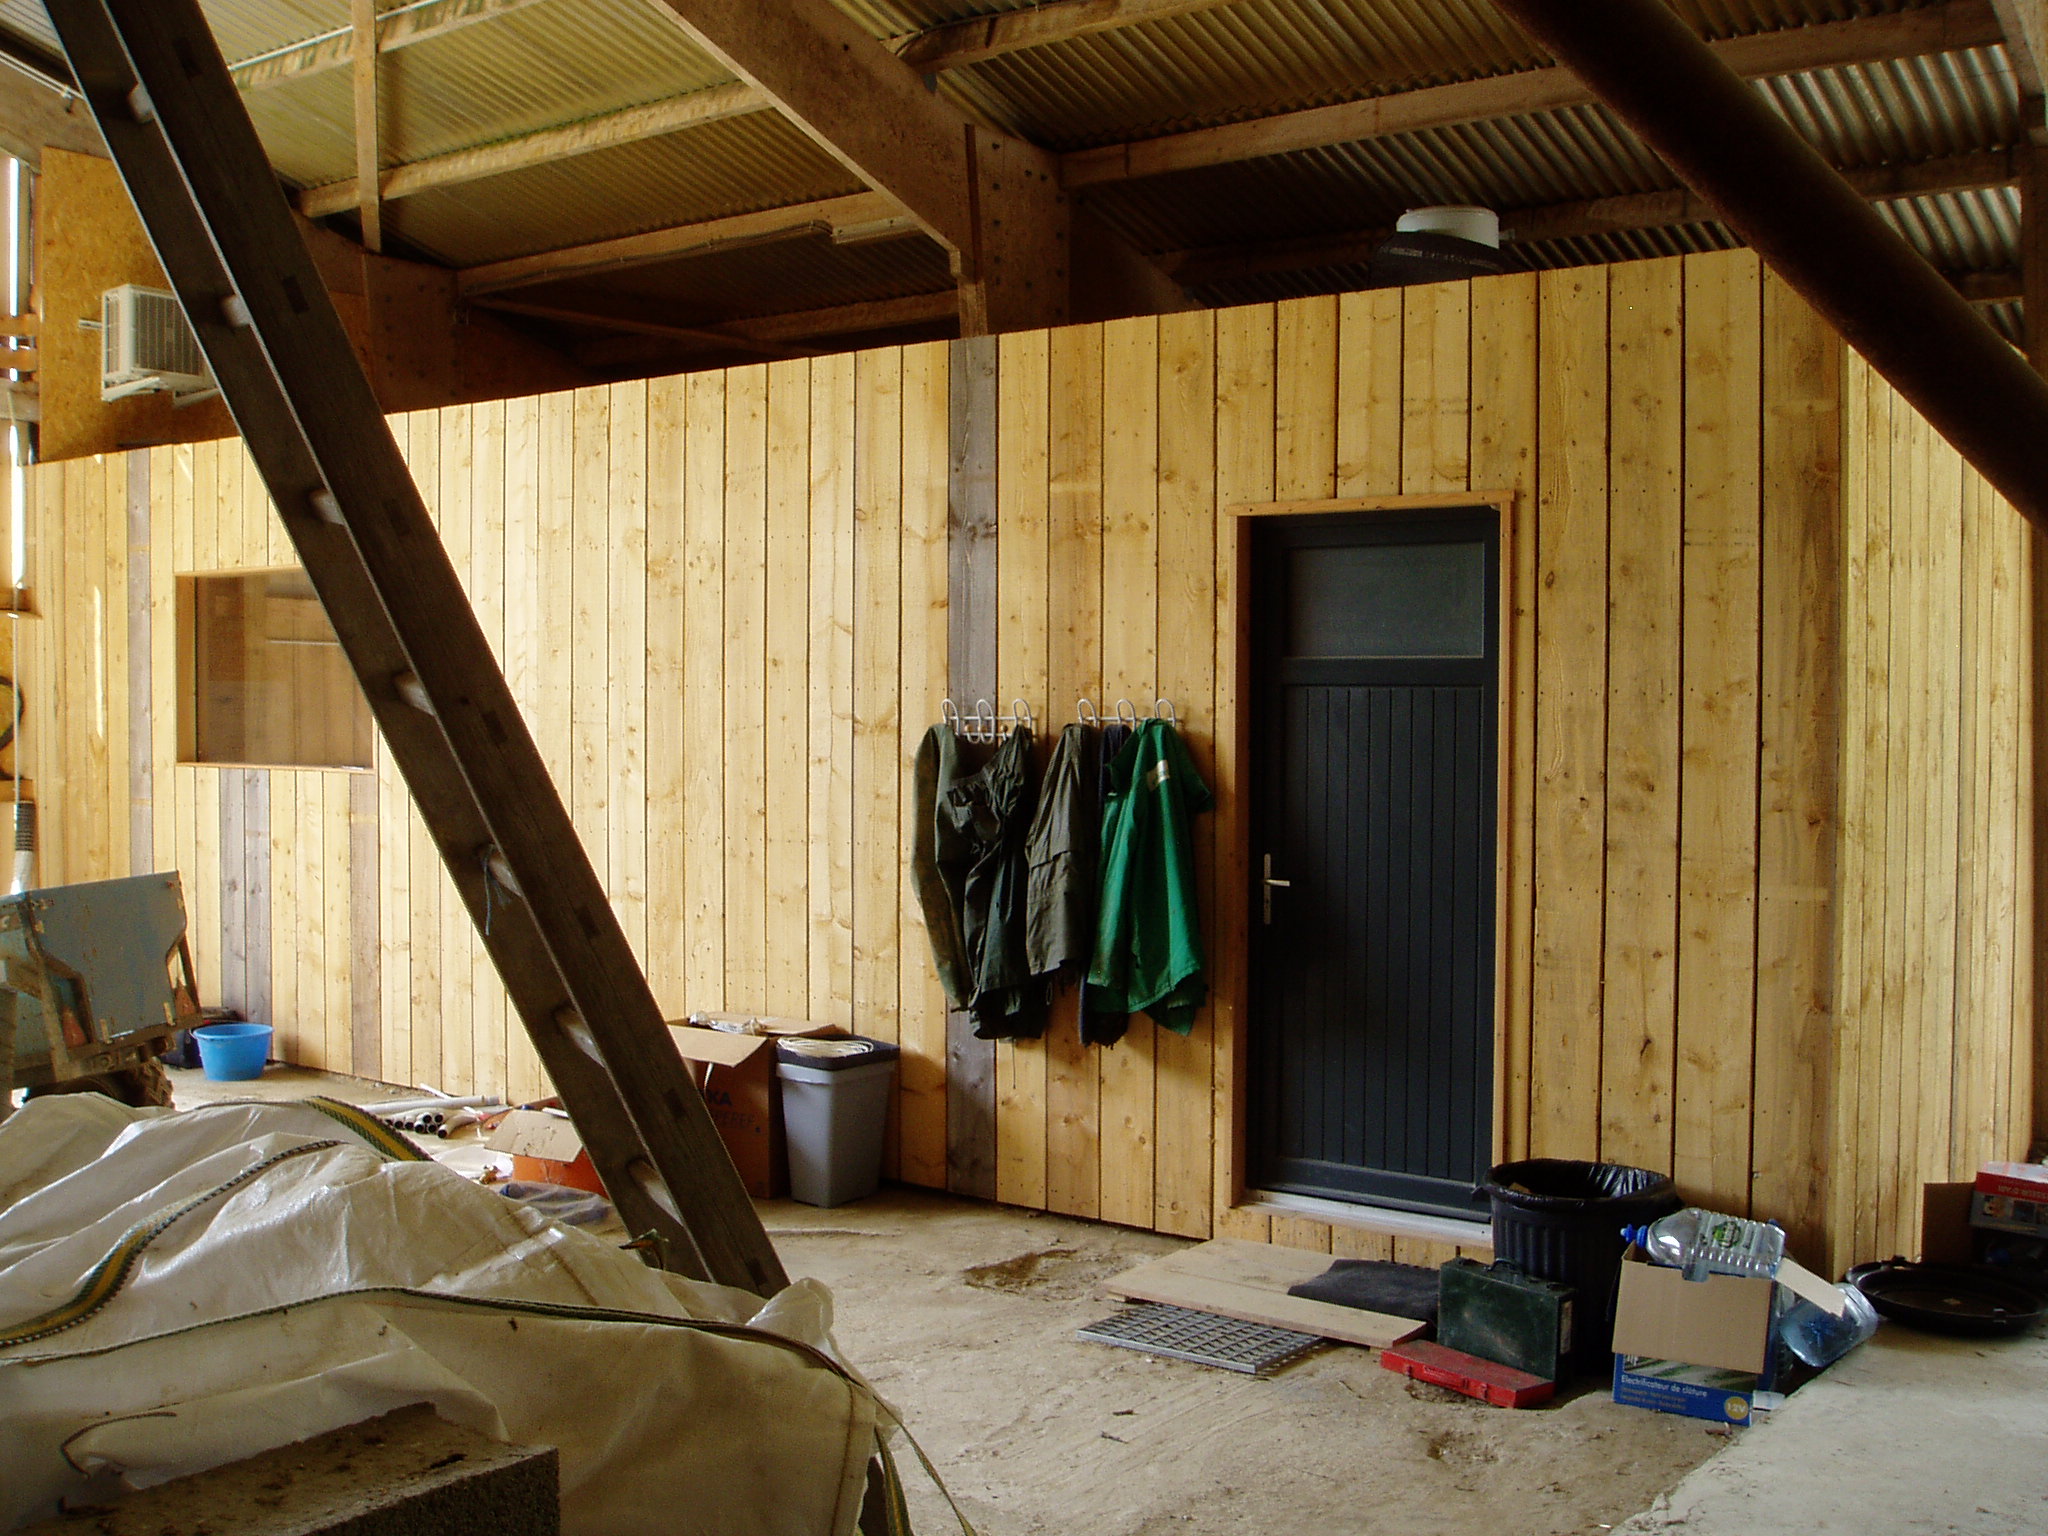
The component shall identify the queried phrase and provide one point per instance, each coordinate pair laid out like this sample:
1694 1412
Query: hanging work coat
979 826
1063 850
939 767
1148 943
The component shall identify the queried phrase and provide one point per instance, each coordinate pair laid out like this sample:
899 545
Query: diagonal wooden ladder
154 79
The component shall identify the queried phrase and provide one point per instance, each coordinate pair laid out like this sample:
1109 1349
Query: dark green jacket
1148 940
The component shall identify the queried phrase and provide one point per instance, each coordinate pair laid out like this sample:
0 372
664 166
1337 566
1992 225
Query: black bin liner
1561 1220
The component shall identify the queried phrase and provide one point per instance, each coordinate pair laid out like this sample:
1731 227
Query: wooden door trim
1233 904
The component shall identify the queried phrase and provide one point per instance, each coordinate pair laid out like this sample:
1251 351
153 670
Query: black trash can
1562 1220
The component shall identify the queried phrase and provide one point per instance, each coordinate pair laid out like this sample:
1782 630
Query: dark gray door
1375 677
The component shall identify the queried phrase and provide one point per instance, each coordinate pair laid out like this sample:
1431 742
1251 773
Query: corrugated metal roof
734 166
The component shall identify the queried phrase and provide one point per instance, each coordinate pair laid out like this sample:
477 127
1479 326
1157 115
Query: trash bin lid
834 1054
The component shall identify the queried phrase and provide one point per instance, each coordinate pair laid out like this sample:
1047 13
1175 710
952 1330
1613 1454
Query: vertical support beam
369 195
2034 310
970 674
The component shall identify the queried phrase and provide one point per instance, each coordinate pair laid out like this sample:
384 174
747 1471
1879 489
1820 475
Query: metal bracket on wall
177 130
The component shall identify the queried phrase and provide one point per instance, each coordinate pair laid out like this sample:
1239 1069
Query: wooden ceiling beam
825 216
1944 28
991 199
1576 220
335 49
369 139
529 149
2025 25
957 44
632 326
798 328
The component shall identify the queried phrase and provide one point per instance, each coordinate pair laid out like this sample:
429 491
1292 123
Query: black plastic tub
1561 1220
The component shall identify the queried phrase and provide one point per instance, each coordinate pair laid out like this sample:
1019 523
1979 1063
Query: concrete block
405 1474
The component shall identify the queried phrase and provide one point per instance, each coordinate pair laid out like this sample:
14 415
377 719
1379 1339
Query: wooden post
369 157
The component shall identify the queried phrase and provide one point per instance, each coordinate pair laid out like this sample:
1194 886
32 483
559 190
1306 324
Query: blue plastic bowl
232 1053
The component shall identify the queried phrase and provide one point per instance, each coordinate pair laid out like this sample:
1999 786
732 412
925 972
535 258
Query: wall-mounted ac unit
146 344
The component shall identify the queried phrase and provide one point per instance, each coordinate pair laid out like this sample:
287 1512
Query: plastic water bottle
1819 1337
1706 1243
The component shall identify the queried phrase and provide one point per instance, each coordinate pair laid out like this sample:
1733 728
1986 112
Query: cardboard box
737 1075
1702 1348
545 1149
2009 1213
2016 1181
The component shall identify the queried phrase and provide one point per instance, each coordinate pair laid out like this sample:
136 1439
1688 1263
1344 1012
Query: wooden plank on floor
1245 407
1184 1067
1646 458
922 564
1074 426
1249 1281
1023 511
1130 638
1571 717
1717 828
1800 734
786 744
972 625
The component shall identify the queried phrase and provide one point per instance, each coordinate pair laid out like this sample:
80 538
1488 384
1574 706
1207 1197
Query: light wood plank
1302 1233
1571 688
626 661
746 620
1436 387
1130 618
310 945
926 1136
589 573
527 595
1249 1281
490 597
1305 399
287 1014
425 876
787 634
917 1152
1074 417
458 942
164 470
1184 1068
337 943
1506 369
1717 830
1800 713
1023 499
668 739
703 817
832 808
1646 456
1245 413
1369 400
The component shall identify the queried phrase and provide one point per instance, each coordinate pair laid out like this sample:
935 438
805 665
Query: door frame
1513 814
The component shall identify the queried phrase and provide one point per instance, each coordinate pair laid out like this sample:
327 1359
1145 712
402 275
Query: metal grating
1201 1337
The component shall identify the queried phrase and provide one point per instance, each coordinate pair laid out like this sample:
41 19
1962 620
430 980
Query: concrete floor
963 1315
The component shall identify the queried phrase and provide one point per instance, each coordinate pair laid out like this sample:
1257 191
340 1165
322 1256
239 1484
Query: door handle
1267 885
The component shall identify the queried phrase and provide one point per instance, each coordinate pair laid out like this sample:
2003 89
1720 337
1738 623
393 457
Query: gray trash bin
835 1107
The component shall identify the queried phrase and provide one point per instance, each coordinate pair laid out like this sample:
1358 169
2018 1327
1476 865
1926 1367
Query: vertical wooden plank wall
731 603
1932 1074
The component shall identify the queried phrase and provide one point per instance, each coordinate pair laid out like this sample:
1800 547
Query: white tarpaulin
181 1290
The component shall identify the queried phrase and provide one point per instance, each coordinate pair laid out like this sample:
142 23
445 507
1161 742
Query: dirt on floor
963 1315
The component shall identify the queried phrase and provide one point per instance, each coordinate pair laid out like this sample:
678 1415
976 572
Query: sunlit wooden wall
722 601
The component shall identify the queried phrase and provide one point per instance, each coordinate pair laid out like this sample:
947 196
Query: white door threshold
1373 1218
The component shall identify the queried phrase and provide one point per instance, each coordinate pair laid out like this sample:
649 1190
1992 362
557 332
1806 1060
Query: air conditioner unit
146 344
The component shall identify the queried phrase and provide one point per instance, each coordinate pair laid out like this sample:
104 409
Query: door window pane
1386 600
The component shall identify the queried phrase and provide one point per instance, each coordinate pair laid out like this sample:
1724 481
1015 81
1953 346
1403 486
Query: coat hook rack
982 724
1124 712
